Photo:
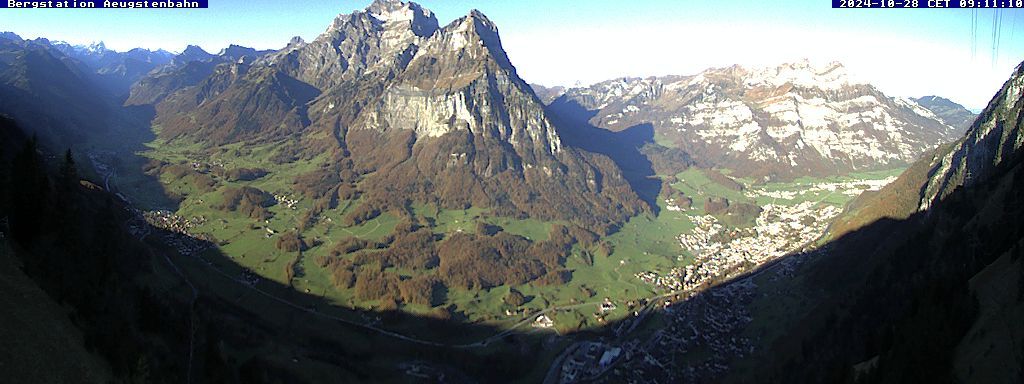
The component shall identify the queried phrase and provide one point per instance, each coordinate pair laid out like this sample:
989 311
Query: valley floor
654 260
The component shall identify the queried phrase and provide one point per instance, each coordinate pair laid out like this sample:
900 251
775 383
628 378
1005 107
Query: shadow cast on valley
230 326
122 158
282 334
623 147
901 292
303 335
698 335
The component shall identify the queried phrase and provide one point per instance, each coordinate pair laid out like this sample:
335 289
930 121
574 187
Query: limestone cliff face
386 68
791 120
378 41
461 79
426 113
992 140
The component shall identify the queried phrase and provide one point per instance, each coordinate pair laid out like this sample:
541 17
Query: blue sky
910 52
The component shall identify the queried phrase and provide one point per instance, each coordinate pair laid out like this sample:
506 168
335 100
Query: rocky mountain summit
114 71
548 94
423 112
791 120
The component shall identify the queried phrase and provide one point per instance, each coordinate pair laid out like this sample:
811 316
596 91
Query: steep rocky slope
186 69
792 120
408 109
922 281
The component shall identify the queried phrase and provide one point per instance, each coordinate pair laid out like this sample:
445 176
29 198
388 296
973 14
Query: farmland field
609 269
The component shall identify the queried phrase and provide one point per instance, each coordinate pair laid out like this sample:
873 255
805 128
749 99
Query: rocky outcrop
993 138
427 113
786 121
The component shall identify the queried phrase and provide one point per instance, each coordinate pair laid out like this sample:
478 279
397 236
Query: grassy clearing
695 184
645 243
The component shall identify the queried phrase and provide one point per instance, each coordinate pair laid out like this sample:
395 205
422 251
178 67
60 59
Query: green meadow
648 242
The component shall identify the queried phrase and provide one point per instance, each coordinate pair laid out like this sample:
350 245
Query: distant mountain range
89 82
50 93
791 120
953 114
116 71
548 94
786 121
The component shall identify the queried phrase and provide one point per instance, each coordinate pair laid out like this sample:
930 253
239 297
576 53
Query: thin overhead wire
995 29
999 36
974 34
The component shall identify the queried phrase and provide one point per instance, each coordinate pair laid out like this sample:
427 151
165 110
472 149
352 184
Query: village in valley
709 323
716 248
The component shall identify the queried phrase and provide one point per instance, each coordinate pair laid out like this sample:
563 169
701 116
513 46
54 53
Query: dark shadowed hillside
923 281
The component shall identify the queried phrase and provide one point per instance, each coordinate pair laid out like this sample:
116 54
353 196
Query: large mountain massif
420 111
792 120
413 123
932 264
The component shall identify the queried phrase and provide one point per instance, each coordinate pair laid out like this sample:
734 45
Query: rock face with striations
422 112
792 120
994 137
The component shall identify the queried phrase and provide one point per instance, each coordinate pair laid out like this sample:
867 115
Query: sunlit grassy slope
648 242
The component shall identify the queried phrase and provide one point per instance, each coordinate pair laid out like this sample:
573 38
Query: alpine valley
392 202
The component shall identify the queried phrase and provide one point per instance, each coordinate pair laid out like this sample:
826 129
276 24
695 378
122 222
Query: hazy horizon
902 51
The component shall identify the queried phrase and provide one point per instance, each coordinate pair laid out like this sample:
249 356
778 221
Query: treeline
667 160
330 183
674 195
391 172
483 260
733 213
242 174
721 179
249 201
202 182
